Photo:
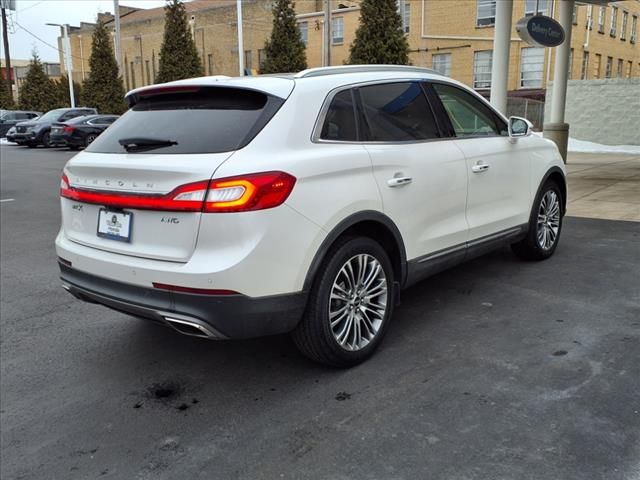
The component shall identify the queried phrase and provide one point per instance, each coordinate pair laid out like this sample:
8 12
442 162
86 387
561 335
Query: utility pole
327 33
240 40
7 57
116 15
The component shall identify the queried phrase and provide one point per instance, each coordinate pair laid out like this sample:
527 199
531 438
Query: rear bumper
221 317
56 139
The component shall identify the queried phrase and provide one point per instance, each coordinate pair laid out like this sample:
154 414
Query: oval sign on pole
540 30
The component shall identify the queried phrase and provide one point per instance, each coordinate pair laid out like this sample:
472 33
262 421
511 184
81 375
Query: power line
45 42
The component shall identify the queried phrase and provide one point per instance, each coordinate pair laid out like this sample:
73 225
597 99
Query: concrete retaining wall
602 111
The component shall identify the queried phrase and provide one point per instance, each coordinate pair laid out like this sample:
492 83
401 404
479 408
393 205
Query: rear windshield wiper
138 144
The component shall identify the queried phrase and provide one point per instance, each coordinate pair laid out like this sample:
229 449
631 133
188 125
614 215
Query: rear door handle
399 181
480 167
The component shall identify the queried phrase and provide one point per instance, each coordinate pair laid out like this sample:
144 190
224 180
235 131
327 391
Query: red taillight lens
236 194
68 129
249 192
199 291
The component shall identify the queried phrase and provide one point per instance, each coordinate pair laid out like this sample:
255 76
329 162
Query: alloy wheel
358 302
548 220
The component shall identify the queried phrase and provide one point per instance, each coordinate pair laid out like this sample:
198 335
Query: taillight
249 192
237 194
68 129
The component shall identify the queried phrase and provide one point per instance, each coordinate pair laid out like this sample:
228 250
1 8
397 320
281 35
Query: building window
601 16
133 76
541 5
153 64
210 63
485 13
406 16
629 67
623 27
570 69
597 66
589 23
247 60
620 68
262 57
634 28
126 74
574 16
304 32
442 63
584 69
482 69
337 30
614 21
607 72
148 71
531 67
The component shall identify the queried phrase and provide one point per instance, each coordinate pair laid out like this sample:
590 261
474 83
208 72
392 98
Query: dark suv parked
39 131
8 118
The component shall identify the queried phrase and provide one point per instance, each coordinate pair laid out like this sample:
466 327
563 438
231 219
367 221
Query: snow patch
584 146
4 141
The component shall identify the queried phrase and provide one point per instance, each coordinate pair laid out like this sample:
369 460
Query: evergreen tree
63 92
178 54
103 88
379 38
6 100
38 92
285 50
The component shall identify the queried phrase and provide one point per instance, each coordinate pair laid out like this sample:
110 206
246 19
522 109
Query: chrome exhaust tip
190 327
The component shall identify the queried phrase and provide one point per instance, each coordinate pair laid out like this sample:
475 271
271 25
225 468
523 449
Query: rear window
209 120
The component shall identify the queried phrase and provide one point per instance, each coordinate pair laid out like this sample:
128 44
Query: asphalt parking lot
497 369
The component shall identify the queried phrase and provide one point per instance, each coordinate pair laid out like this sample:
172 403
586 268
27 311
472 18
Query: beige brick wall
449 27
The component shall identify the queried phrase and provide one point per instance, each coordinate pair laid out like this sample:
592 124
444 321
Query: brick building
454 37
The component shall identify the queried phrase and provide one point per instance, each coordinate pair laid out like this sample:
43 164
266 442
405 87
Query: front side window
482 69
340 121
614 21
304 32
532 67
601 14
337 30
442 63
485 13
397 112
623 27
468 115
541 5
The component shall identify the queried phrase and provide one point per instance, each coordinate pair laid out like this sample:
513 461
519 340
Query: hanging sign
540 30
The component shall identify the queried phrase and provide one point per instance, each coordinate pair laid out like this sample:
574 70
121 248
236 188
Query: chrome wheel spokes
548 220
358 302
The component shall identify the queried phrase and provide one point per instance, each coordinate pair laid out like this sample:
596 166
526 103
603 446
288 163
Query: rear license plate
115 225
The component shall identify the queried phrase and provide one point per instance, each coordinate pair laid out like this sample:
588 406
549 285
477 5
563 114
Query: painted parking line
8 200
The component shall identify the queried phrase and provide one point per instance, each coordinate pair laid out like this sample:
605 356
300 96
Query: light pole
66 50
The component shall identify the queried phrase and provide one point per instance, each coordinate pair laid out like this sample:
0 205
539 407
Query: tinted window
397 112
340 123
469 116
210 120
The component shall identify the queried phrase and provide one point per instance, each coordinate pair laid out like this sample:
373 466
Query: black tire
314 336
32 145
530 248
73 147
89 139
46 139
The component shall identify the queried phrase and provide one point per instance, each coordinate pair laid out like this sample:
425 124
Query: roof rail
324 71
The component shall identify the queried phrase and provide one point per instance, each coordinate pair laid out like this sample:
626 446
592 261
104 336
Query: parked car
38 132
80 131
10 134
9 118
242 207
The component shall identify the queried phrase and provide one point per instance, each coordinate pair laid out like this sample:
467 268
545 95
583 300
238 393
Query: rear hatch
126 190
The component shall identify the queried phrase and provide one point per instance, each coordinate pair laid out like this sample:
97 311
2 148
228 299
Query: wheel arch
368 223
557 175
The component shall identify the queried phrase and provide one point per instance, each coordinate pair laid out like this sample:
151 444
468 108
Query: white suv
241 207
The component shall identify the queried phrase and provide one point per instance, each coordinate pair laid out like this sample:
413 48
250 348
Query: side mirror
519 127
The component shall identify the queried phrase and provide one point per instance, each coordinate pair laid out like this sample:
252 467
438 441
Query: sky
32 15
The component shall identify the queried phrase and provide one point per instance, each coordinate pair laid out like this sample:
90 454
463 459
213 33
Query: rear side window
207 120
340 123
468 115
398 112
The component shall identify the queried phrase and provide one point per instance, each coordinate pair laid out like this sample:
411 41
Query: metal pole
240 42
67 61
327 33
500 62
7 57
561 67
116 15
